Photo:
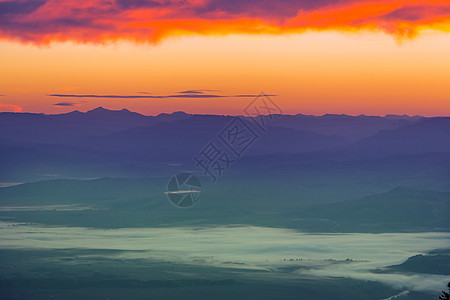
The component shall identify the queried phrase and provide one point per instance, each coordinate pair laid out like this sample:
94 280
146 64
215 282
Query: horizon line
101 108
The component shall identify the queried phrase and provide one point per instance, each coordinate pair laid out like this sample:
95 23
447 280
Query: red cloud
97 21
9 107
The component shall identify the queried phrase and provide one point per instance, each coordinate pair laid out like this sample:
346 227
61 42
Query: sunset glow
354 57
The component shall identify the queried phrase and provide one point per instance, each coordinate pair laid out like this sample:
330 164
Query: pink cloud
10 107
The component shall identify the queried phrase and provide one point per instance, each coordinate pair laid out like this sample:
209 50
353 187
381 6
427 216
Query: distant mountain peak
402 117
98 109
394 116
175 113
335 115
179 113
75 112
102 110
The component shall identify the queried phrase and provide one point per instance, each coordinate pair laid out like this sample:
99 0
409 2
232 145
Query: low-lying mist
353 255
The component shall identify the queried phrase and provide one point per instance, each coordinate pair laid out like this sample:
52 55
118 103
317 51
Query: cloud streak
99 21
65 104
192 94
9 107
197 91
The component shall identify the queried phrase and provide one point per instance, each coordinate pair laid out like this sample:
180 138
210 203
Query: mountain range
319 173
104 142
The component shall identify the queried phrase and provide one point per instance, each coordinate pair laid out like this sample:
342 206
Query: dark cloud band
64 104
185 96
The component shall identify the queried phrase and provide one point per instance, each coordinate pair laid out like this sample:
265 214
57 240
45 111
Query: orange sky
356 57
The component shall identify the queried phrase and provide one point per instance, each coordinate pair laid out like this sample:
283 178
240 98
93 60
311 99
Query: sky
213 56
